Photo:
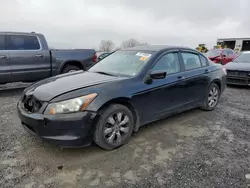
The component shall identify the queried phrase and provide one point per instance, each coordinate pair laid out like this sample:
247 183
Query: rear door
5 71
196 77
27 58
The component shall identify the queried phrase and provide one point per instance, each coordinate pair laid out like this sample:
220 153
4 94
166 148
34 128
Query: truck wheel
70 68
114 127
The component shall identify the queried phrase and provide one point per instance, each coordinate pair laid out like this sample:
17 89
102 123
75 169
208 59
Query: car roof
156 48
20 33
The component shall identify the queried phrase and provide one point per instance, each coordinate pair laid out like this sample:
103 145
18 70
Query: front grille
236 81
238 73
30 104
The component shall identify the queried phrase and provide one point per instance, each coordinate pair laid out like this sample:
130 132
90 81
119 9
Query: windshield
214 53
122 63
243 58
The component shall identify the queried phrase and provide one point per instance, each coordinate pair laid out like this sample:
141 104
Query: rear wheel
70 68
212 97
114 127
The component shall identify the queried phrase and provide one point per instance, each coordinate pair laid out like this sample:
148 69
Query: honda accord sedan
126 90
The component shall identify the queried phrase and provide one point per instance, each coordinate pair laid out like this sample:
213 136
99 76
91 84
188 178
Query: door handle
207 71
3 56
181 77
39 55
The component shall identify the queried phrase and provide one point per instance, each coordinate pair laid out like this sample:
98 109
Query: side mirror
158 74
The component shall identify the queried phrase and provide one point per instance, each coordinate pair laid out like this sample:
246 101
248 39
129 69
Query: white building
236 44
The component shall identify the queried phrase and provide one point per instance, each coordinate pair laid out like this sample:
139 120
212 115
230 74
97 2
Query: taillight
224 70
94 58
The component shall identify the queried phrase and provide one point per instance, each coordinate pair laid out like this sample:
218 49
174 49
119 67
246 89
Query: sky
84 23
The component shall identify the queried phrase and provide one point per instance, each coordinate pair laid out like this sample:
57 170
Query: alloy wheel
117 128
213 97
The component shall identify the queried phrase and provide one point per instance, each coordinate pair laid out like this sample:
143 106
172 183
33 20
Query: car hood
50 88
238 66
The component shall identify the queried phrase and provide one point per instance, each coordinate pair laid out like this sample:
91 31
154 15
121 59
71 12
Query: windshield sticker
143 58
143 54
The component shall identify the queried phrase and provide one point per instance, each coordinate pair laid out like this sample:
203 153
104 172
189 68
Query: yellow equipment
220 45
202 48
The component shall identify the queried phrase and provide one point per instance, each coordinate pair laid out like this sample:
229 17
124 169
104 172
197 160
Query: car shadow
164 122
12 89
5 92
143 130
149 136
237 86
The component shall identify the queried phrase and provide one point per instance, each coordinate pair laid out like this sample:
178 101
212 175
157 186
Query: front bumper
234 80
65 130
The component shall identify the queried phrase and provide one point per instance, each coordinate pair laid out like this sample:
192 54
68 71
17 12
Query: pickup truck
26 57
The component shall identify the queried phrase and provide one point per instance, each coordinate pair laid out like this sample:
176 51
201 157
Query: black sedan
124 91
238 71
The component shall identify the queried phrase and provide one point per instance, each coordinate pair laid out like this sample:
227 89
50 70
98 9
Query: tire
108 125
211 95
70 68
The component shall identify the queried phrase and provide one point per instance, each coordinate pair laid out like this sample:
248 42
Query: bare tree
106 46
117 48
132 43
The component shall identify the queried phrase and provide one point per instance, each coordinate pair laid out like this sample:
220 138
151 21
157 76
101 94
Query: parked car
238 71
221 56
102 55
127 89
26 57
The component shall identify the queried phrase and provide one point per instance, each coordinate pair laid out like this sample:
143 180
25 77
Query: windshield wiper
105 73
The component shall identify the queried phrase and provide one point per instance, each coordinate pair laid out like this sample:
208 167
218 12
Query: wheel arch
71 62
217 82
128 103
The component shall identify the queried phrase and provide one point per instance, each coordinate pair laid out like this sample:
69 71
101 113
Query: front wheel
114 127
212 97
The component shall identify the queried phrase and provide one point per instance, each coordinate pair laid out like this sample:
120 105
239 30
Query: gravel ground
193 149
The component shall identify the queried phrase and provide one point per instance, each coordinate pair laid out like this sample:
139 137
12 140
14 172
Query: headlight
224 70
71 105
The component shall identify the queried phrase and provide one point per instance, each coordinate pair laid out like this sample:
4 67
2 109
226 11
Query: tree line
109 46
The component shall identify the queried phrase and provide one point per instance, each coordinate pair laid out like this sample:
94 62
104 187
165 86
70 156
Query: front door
5 71
27 59
161 97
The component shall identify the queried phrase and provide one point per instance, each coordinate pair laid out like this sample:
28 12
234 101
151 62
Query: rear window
22 42
214 53
2 42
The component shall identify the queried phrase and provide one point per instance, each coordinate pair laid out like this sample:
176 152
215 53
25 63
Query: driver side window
169 63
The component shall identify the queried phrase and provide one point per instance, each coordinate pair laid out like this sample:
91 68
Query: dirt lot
193 149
